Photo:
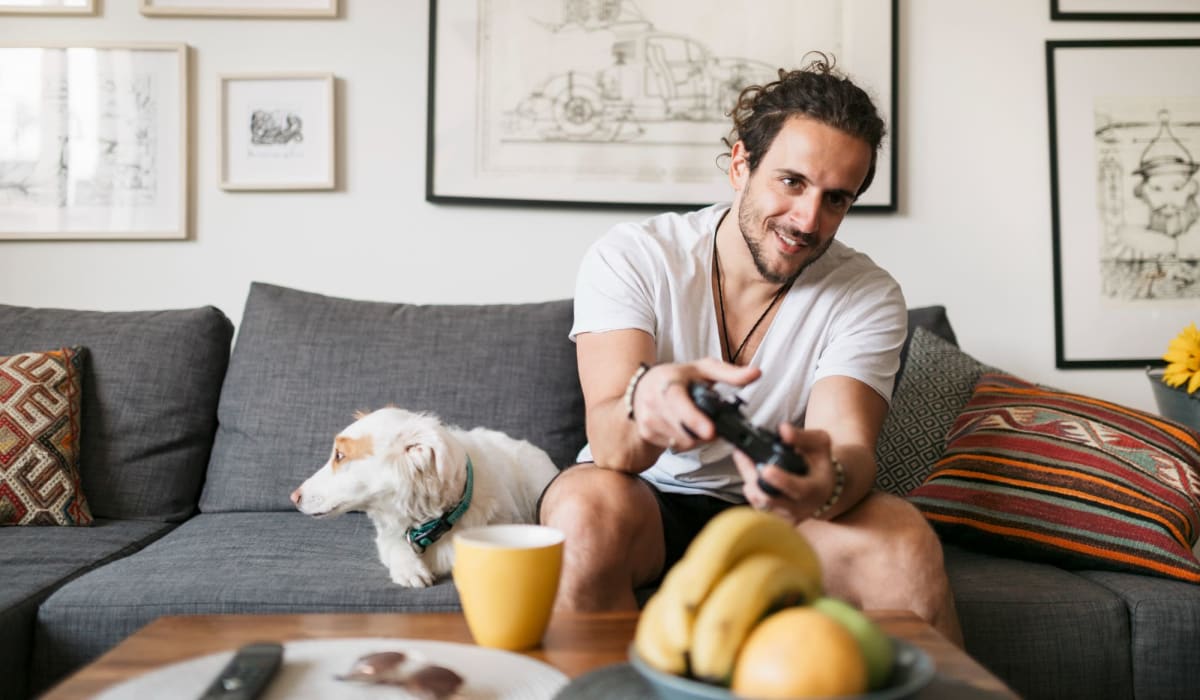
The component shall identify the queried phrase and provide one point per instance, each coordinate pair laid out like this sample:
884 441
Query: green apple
876 647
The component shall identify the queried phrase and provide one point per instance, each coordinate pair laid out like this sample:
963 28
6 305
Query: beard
748 218
1173 220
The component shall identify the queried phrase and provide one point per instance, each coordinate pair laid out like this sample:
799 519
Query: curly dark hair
817 91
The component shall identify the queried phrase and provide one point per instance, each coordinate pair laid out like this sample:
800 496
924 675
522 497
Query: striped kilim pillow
39 439
1079 482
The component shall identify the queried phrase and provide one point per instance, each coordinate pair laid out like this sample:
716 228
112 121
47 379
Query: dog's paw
412 578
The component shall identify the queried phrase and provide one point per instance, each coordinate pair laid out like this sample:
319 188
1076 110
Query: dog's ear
360 414
422 456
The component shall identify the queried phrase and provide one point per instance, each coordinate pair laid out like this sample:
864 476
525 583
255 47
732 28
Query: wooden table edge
575 643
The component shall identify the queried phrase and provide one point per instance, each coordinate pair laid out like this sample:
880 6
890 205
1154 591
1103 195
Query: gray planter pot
1175 403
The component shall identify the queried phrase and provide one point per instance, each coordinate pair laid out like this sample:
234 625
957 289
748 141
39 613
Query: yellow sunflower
1183 354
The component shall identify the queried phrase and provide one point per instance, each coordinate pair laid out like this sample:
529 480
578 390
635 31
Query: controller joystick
760 444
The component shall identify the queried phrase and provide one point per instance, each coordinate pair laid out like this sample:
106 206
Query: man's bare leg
614 537
882 554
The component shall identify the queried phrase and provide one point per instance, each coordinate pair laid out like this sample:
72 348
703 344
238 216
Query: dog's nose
296 497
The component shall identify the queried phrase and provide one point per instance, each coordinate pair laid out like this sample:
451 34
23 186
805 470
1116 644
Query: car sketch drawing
650 77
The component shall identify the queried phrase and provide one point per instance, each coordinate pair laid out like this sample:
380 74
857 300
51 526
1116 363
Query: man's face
1168 196
790 207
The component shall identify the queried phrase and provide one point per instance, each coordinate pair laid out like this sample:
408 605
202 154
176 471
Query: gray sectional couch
189 453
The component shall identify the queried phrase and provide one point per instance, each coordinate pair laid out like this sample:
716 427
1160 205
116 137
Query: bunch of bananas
742 565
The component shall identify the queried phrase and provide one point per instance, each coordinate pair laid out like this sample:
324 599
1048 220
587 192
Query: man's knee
884 533
586 495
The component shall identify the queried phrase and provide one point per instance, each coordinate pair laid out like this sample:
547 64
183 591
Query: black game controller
760 444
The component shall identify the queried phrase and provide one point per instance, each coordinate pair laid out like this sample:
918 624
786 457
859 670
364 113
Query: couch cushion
304 363
34 562
1069 479
149 400
226 563
1047 632
1164 618
40 405
937 382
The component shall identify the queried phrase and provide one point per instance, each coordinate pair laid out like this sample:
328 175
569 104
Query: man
808 332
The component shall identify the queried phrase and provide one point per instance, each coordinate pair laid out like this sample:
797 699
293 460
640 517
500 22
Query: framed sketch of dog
240 8
278 131
93 141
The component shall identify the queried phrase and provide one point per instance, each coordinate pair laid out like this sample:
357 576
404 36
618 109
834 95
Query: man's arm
663 410
842 423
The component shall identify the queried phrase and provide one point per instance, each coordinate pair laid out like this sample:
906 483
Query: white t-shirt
843 316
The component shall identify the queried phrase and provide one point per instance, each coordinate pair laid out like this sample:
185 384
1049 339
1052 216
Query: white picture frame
47 7
278 131
542 102
102 153
1125 178
240 8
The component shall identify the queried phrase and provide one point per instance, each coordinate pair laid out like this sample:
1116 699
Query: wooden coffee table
575 644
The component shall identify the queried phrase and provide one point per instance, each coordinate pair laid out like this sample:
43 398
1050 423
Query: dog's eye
338 456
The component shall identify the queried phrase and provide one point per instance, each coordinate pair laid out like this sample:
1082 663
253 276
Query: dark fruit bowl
912 670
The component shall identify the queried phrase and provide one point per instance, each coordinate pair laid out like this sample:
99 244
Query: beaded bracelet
838 484
633 382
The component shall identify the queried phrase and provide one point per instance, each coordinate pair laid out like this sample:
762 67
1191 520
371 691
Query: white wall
973 230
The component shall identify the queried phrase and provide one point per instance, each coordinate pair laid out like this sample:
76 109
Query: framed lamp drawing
1126 10
1124 150
93 141
277 131
625 104
48 7
241 8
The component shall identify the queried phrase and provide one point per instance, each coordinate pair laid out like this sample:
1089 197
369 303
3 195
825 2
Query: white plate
310 666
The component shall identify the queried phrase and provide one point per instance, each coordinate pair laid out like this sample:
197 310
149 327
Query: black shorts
683 516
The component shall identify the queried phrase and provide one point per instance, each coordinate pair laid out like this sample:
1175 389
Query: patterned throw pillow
39 439
1072 480
937 382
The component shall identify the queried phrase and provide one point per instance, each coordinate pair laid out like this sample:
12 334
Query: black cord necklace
721 302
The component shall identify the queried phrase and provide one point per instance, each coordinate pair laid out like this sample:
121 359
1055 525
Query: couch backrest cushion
935 381
150 390
304 363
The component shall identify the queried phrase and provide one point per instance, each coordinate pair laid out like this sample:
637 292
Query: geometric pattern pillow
937 381
39 439
1075 481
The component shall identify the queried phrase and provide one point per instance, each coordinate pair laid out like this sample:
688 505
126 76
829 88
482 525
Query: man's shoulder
674 228
668 239
842 264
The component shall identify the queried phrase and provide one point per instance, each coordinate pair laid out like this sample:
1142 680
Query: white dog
409 473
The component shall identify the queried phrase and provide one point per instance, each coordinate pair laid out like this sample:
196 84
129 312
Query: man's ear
739 166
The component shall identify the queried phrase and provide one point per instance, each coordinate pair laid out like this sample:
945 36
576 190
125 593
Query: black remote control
247 674
760 444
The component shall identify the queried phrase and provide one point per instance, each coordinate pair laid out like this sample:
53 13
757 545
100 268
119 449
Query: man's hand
663 409
663 412
799 495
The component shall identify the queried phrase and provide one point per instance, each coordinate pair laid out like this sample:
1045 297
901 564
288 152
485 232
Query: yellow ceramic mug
507 577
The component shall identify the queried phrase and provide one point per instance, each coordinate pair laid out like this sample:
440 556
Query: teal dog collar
424 535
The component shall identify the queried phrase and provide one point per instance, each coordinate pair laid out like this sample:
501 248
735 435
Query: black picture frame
1116 117
1136 13
462 167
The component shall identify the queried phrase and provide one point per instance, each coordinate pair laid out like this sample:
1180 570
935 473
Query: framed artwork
624 104
93 141
277 131
241 8
1124 149
48 7
1126 10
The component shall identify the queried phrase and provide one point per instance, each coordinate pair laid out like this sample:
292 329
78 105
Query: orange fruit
799 652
